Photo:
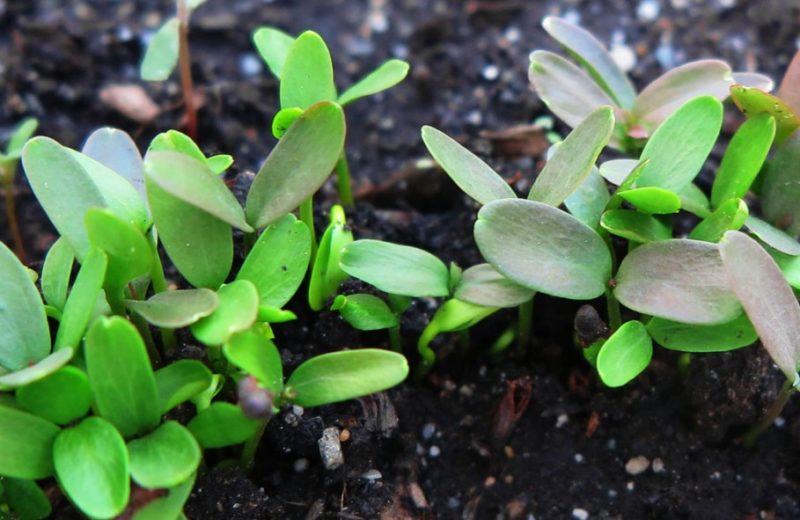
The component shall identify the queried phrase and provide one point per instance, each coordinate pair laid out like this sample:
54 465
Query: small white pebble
490 72
580 514
372 475
612 493
637 465
434 452
300 465
779 422
297 410
648 10
428 430
562 420
726 4
573 17
658 465
630 486
716 476
474 118
512 34
623 56
250 65
578 458
680 4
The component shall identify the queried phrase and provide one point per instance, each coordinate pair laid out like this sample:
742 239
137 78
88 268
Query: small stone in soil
648 10
453 503
300 465
779 422
562 420
658 465
417 496
372 475
428 430
578 458
580 514
330 448
434 452
637 465
490 72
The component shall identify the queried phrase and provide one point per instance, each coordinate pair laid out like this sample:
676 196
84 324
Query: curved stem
774 411
251 446
343 182
185 65
525 325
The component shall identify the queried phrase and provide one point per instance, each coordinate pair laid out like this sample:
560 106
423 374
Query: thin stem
11 214
251 446
504 340
774 411
185 65
307 216
343 182
160 285
525 325
144 330
395 340
612 305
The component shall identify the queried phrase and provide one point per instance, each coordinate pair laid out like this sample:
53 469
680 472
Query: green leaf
781 189
176 309
589 200
773 237
452 316
625 354
180 381
121 377
256 355
82 300
238 427
270 314
566 90
290 174
61 397
766 297
68 183
387 75
680 146
339 376
164 458
273 45
307 73
475 178
593 56
616 171
695 201
168 507
26 444
114 149
754 102
635 226
27 499
543 248
278 261
731 214
652 200
574 158
23 131
396 269
672 90
237 310
193 182
681 280
128 251
284 120
161 55
175 141
743 159
730 335
482 285
56 273
92 467
24 333
40 370
366 312
789 265
327 274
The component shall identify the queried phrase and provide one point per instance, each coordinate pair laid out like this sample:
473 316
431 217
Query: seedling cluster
86 388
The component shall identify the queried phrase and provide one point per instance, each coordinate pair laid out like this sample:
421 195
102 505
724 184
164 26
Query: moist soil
527 435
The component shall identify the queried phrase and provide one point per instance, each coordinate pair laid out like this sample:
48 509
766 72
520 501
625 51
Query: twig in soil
510 408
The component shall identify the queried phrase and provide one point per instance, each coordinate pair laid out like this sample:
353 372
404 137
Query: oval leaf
27 499
483 285
26 444
114 149
652 200
176 309
40 370
238 427
180 381
56 273
754 101
164 458
589 200
635 226
773 237
61 397
82 300
237 310
161 55
703 338
367 312
327 274
307 73
128 252
273 45
625 354
254 353
731 214
383 78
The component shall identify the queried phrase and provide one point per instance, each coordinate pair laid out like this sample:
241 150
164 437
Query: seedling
573 92
9 162
305 70
170 48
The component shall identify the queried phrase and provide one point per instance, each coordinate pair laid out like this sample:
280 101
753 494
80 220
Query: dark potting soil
665 446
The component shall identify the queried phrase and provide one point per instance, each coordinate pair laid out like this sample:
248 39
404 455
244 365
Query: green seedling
326 274
305 70
169 48
9 162
572 92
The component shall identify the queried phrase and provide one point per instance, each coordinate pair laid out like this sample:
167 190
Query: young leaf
543 248
789 265
165 457
574 158
386 76
635 226
339 376
593 56
61 397
56 273
273 45
35 372
26 444
127 250
694 200
589 200
278 261
26 499
161 55
681 280
91 463
680 146
291 174
254 353
754 101
616 171
180 381
731 214
175 141
114 149
781 189
773 237
121 377
307 73
657 201
327 274
566 90
789 90
625 354
169 507
237 310
703 338
365 312
482 285
743 159
82 300
475 178
674 89
23 131
176 309
238 427
24 333
766 297
396 269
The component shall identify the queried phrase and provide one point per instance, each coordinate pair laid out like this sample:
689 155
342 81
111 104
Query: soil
462 444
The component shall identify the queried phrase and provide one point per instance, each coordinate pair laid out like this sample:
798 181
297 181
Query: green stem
614 312
774 411
251 446
525 325
307 216
395 340
504 340
159 286
426 353
144 330
343 182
